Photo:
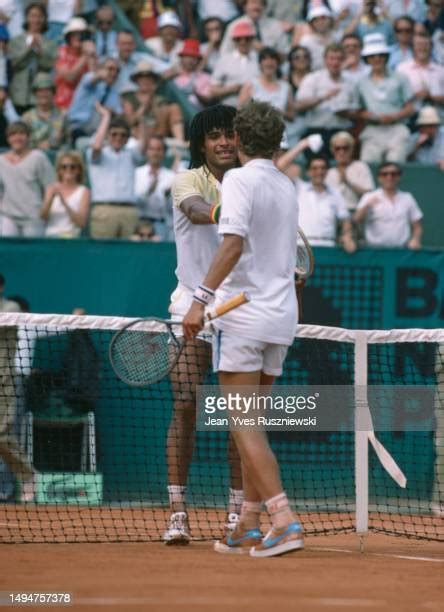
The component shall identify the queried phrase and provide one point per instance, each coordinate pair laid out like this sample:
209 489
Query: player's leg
187 374
260 467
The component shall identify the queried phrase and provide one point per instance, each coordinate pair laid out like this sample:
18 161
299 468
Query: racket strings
302 260
143 357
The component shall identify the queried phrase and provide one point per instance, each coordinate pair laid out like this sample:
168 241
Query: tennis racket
146 350
304 257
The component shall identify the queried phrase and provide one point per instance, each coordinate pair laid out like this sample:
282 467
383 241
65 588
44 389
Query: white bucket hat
76 24
428 115
168 18
375 44
318 11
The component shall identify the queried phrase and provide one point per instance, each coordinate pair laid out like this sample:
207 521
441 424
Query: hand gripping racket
146 350
304 257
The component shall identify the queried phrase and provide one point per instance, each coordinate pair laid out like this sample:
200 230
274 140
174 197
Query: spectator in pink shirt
193 81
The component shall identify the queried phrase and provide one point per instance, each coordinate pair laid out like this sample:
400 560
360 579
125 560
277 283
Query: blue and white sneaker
278 542
238 543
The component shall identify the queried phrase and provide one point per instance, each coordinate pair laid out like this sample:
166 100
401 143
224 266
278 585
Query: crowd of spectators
93 132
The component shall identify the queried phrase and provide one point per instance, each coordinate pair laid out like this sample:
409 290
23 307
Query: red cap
191 48
243 29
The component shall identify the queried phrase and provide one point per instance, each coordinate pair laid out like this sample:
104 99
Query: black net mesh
103 450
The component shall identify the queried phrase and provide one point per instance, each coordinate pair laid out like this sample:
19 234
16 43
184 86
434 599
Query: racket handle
231 304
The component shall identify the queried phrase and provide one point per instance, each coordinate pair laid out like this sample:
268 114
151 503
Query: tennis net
99 446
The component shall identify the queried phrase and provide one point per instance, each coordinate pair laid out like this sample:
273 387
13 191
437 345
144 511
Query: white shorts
181 300
234 354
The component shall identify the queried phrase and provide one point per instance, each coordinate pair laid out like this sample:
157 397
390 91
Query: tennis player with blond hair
258 223
196 199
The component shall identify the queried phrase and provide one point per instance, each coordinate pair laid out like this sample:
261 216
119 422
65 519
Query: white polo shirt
388 223
319 213
260 204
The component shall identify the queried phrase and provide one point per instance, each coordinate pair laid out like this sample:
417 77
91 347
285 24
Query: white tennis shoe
178 531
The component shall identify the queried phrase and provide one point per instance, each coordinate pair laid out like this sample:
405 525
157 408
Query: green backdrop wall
370 289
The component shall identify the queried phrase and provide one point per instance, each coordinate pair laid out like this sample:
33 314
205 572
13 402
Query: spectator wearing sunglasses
351 177
235 67
390 217
386 102
66 203
401 51
97 87
105 37
112 166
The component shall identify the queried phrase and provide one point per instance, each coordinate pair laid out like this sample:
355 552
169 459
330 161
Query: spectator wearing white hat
386 102
427 144
74 59
391 217
321 34
105 37
268 32
426 77
166 47
236 67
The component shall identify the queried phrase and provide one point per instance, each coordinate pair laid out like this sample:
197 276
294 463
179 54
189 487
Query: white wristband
203 295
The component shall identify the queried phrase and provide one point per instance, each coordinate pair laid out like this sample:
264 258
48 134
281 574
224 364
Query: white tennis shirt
195 244
388 222
260 204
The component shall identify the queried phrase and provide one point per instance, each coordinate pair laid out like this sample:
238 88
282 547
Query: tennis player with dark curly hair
258 223
196 198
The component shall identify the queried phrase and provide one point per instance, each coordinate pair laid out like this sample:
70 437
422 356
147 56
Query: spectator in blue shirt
402 49
111 170
95 87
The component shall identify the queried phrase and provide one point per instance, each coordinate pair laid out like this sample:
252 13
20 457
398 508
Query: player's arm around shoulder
188 198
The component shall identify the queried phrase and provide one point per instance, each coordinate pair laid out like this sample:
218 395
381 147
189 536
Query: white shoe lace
178 521
233 519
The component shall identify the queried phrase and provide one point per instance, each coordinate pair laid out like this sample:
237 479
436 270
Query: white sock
279 510
177 495
235 500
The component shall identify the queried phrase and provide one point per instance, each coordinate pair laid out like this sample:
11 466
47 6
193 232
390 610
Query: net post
361 437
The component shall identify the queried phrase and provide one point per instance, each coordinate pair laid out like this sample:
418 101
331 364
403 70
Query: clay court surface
393 574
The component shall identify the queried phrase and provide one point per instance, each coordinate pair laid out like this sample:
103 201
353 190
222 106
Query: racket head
145 351
304 257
